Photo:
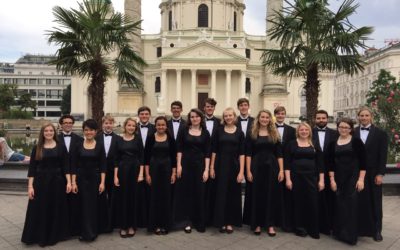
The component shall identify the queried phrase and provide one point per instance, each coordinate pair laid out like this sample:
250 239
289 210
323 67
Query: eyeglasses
68 123
340 127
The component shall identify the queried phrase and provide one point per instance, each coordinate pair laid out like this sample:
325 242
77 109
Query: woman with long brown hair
264 165
46 220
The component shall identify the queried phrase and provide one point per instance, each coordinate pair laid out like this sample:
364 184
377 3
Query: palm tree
314 39
88 38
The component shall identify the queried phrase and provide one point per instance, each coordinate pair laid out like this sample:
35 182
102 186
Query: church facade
202 51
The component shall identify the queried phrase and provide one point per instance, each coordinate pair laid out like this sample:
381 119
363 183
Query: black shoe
271 234
188 229
301 232
229 230
201 230
222 230
158 231
123 235
164 231
378 237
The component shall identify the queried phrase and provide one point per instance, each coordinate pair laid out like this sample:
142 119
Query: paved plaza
13 208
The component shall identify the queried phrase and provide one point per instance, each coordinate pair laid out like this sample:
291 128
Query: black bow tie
321 129
209 119
367 129
67 135
173 120
144 126
280 126
243 119
105 134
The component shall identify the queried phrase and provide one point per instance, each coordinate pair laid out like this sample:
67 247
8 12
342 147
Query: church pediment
203 51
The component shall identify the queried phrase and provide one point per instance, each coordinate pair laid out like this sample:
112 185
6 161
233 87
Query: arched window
170 20
202 18
234 21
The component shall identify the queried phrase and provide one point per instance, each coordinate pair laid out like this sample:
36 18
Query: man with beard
322 137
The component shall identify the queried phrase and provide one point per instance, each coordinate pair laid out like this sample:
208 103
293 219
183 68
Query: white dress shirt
143 133
321 137
281 130
244 124
210 125
67 140
107 143
364 133
175 126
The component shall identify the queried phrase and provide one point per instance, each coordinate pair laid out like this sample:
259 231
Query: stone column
242 84
163 97
193 88
178 84
228 88
213 83
133 9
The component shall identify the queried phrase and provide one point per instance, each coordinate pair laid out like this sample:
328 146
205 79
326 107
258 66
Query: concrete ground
13 208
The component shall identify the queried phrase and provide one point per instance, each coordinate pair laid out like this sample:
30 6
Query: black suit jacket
112 151
330 135
376 148
289 134
151 130
182 124
217 123
249 125
76 140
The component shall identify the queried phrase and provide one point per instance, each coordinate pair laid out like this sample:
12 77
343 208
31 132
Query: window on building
41 93
32 81
41 103
53 113
33 93
248 86
53 103
157 85
159 52
40 113
170 20
248 53
234 21
202 18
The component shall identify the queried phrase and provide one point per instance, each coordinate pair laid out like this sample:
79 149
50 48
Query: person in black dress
160 167
264 156
304 177
286 134
376 147
322 137
46 220
227 167
70 141
193 160
88 170
346 162
128 162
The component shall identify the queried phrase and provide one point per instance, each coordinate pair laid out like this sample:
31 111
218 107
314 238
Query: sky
23 23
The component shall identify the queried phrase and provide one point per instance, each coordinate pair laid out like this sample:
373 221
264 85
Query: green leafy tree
95 43
66 101
314 39
384 100
7 96
25 101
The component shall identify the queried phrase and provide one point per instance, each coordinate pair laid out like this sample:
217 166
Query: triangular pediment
203 51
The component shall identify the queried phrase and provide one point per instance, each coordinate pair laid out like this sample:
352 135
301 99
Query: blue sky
23 22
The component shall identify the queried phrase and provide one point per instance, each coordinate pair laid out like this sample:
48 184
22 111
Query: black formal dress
266 190
346 161
305 165
189 200
128 159
72 199
326 197
46 220
228 148
161 159
88 164
376 147
247 198
289 134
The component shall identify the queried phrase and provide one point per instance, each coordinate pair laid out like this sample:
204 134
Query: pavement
13 208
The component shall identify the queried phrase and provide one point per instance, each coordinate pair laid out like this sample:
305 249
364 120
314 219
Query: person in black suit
322 137
286 134
376 146
212 124
244 122
70 141
145 130
176 123
109 139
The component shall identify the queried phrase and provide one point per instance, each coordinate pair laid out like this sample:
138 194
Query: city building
350 91
202 51
33 75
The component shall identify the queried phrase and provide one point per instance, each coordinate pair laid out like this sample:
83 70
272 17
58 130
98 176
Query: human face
67 125
130 127
321 120
48 133
264 119
209 109
176 111
304 132
344 129
229 117
161 126
89 133
244 108
108 126
280 117
195 119
365 118
144 116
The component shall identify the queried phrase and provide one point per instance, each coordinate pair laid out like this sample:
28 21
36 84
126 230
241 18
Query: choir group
188 174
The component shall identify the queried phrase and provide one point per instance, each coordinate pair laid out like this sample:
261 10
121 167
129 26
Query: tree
95 43
66 101
314 39
25 101
384 100
7 96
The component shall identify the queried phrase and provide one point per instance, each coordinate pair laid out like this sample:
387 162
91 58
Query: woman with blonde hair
264 164
304 177
46 220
